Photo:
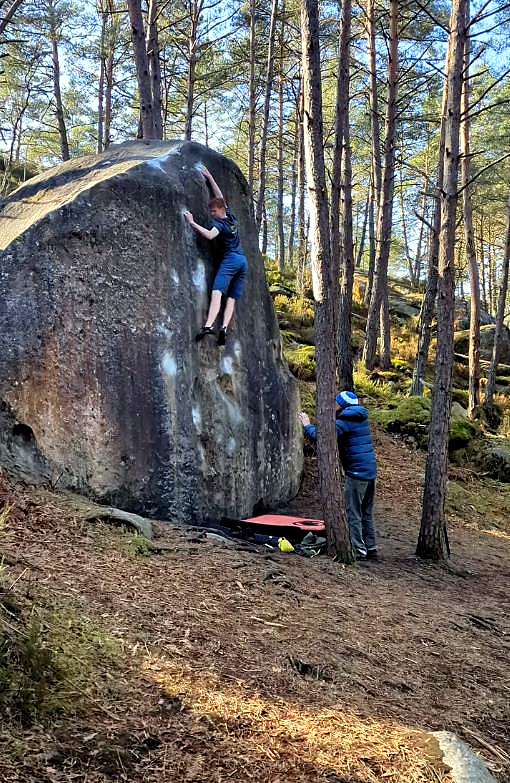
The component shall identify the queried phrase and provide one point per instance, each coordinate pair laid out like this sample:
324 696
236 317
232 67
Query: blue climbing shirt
228 238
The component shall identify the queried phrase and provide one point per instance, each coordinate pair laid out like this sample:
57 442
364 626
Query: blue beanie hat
345 398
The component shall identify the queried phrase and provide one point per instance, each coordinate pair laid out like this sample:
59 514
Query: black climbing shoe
222 336
372 554
203 332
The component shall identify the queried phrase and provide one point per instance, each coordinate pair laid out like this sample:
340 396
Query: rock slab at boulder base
103 287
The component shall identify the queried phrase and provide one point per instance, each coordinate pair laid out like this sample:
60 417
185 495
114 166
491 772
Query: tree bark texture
429 299
279 211
265 116
432 541
252 99
59 109
152 45
503 291
469 233
293 189
384 214
142 69
332 499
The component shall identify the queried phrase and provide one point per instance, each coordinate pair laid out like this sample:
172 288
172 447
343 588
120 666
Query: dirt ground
242 664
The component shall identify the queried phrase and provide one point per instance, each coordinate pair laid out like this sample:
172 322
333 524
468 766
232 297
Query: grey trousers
359 501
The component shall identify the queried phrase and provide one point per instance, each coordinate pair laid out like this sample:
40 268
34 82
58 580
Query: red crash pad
278 520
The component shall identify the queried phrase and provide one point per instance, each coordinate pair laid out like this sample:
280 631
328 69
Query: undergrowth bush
281 302
375 391
140 546
51 661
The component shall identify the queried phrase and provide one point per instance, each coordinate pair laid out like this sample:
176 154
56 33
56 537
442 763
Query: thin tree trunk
142 69
293 188
332 499
252 100
264 232
474 282
152 45
379 296
108 101
374 106
418 258
100 91
279 211
4 20
432 541
344 360
196 11
361 248
265 117
59 109
503 291
410 264
482 264
371 239
302 233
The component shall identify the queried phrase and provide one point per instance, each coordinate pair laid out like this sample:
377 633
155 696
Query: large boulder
102 386
486 343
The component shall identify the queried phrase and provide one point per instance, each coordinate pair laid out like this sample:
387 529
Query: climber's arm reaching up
208 233
214 185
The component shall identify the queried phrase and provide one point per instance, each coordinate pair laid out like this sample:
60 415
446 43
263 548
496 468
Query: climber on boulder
231 274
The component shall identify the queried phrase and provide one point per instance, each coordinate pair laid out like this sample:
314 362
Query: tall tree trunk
142 69
418 257
293 188
264 232
252 117
152 45
378 303
279 212
371 241
108 101
302 233
100 90
265 117
410 264
59 109
361 248
496 348
432 541
332 499
195 13
482 264
344 360
374 104
474 282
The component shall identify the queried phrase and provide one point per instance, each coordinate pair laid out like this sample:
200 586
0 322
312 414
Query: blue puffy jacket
354 442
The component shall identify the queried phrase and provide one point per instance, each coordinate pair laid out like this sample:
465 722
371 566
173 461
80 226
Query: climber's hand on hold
305 420
187 214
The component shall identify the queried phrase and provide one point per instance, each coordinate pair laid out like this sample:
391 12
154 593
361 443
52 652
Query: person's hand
187 214
205 171
305 420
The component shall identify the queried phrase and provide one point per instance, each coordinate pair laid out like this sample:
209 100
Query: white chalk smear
169 364
237 350
196 416
227 365
198 277
231 445
175 277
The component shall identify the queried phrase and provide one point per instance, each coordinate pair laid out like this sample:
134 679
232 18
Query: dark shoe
372 554
205 330
360 555
222 336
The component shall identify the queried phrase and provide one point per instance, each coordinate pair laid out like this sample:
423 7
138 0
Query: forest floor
235 663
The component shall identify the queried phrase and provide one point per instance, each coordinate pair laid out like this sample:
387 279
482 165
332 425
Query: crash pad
276 521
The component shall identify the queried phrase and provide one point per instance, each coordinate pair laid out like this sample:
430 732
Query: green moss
51 661
307 395
301 360
139 546
411 417
461 396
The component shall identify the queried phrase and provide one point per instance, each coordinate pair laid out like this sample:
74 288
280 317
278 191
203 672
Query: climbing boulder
102 386
486 343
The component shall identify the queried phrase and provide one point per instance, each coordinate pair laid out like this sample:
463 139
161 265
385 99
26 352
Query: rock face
103 287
